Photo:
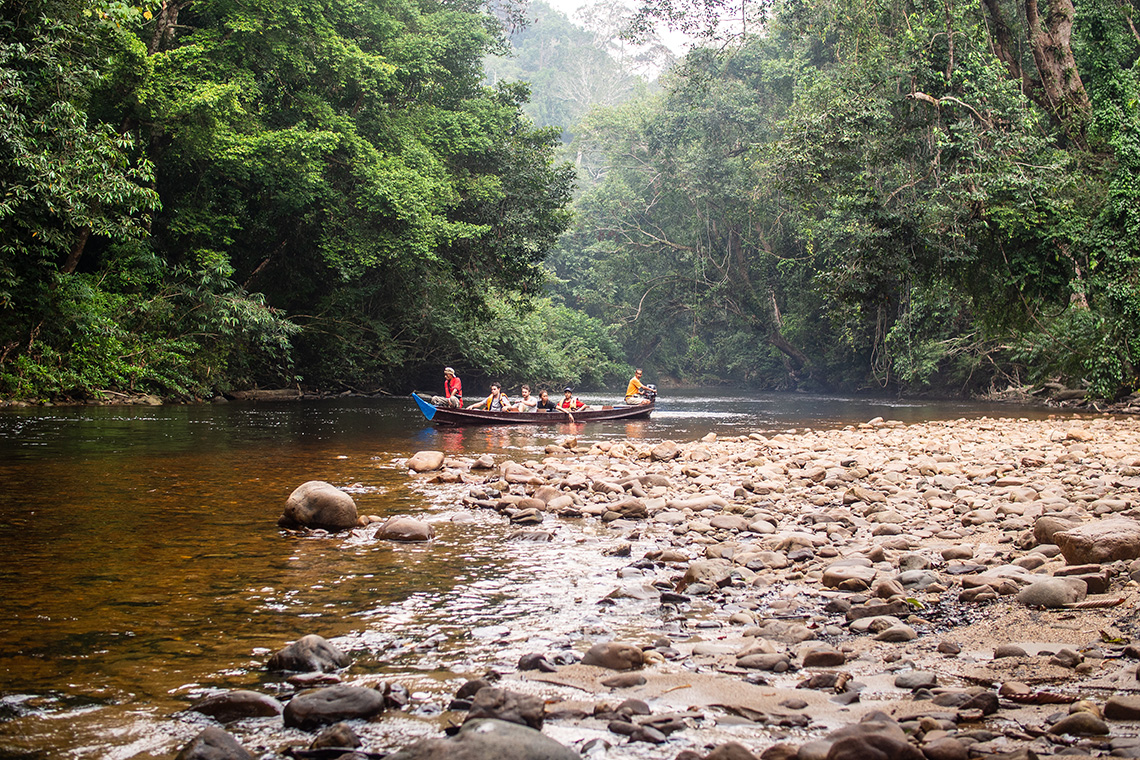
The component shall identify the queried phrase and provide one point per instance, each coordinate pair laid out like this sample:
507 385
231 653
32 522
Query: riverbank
973 581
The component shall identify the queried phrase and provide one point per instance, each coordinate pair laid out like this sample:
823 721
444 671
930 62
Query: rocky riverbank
942 590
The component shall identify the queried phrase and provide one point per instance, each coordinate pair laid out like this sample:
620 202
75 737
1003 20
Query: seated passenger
527 403
544 402
496 402
570 402
636 393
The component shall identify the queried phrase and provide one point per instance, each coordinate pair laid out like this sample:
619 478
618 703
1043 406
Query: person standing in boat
452 390
570 402
496 402
635 392
527 403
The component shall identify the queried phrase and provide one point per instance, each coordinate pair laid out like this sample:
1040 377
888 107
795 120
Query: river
145 569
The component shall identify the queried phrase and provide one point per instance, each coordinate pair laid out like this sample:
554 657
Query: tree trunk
72 262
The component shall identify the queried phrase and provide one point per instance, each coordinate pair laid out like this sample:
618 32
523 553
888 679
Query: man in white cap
452 390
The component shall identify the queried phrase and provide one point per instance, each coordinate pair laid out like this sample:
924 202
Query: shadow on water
144 567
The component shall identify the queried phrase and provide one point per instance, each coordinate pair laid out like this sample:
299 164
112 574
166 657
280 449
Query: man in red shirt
452 390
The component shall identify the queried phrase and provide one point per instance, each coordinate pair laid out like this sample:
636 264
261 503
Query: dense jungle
910 196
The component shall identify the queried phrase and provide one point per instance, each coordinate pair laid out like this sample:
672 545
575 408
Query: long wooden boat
447 415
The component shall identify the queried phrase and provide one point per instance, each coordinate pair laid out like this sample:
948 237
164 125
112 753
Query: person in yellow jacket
635 390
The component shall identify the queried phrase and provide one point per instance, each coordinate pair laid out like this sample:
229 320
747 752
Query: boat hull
441 415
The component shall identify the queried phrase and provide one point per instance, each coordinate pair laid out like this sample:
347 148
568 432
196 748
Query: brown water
144 568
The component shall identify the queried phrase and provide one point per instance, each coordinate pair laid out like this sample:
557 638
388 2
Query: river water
145 570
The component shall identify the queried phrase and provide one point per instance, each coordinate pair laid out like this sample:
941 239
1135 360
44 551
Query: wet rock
214 744
317 504
1053 592
405 529
339 736
482 739
614 656
986 701
425 461
312 709
510 706
309 653
235 705
1080 724
1100 542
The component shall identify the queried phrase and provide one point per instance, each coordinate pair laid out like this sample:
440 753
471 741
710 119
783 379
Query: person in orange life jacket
452 390
570 402
496 402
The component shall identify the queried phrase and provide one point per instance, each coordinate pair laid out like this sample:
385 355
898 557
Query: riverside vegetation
204 196
959 589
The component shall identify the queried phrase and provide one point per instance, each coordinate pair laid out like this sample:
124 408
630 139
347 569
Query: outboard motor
650 392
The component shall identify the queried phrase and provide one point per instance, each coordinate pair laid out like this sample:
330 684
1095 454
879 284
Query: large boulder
312 709
482 739
1100 542
317 504
307 654
214 744
235 705
405 529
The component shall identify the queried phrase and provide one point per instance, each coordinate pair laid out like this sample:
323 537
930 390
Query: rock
536 662
850 574
1053 592
823 657
1122 707
665 451
1009 650
483 739
877 737
624 681
214 744
777 662
510 706
425 461
317 504
1066 658
614 656
730 751
1100 542
409 529
235 705
307 654
312 709
897 633
945 748
1080 724
916 679
711 572
339 736
1046 526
